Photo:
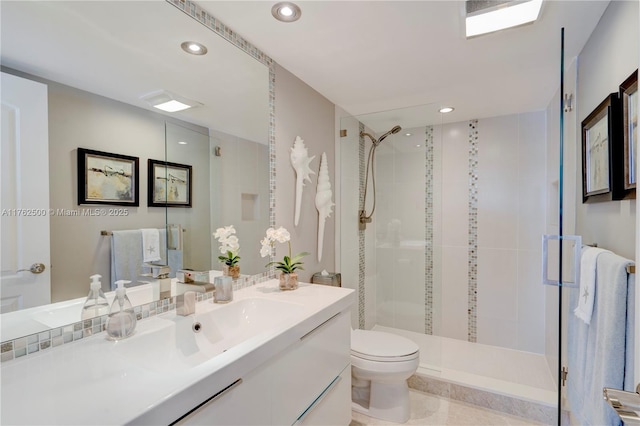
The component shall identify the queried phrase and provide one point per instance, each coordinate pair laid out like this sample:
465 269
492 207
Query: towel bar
110 233
631 269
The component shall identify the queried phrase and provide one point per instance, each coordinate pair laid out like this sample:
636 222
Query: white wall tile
497 213
531 215
531 304
497 284
532 146
454 150
455 212
454 292
498 148
497 332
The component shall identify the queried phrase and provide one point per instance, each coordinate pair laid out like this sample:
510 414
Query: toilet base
387 401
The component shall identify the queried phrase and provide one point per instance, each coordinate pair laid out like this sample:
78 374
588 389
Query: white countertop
89 383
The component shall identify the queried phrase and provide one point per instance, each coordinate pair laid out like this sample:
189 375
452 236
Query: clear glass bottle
121 322
96 304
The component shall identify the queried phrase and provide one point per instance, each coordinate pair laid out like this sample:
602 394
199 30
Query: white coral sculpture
300 161
323 200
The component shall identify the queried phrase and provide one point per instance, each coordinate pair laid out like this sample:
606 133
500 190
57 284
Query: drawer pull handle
210 400
318 327
319 399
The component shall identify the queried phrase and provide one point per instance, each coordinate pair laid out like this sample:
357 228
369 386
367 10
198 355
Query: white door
24 174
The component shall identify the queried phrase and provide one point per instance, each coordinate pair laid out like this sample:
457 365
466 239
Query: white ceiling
368 56
365 56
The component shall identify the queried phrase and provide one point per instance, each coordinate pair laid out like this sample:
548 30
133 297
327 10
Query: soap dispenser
122 319
96 304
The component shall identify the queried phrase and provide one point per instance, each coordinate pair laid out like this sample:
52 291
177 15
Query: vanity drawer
333 406
240 403
308 367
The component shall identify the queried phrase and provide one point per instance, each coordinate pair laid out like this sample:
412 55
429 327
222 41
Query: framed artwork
629 99
107 178
598 134
169 184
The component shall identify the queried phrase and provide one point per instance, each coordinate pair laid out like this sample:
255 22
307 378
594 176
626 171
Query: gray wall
608 58
301 111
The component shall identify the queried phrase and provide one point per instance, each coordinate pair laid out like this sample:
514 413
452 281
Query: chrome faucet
186 302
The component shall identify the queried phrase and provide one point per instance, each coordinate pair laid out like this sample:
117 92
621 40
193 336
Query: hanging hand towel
150 245
587 282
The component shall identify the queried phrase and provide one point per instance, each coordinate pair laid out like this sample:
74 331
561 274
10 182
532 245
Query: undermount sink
177 343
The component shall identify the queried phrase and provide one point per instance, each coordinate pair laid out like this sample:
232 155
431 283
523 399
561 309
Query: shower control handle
363 220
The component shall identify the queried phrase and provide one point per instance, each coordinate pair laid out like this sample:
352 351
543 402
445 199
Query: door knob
36 268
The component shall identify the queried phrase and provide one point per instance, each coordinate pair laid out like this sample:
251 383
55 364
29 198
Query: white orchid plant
290 263
229 245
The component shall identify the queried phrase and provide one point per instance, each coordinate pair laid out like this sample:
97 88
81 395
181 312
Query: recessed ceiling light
169 102
182 142
482 20
445 110
286 11
418 146
407 134
194 48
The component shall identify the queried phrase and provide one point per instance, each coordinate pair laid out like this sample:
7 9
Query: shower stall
450 257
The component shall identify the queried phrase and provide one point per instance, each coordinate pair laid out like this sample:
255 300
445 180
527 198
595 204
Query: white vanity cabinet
308 382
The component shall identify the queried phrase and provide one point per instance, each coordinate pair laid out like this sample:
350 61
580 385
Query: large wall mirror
97 61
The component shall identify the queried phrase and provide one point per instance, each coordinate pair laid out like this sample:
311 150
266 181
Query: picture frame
108 178
170 184
629 103
599 132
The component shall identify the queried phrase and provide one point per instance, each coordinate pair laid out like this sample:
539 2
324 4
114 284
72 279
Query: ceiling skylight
499 15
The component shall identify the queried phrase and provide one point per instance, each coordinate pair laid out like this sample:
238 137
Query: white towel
150 245
587 282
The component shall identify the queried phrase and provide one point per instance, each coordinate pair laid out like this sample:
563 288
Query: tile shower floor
429 409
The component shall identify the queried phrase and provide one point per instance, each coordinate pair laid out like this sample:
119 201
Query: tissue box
332 279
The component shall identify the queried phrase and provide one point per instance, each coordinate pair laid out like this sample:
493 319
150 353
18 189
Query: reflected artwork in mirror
96 103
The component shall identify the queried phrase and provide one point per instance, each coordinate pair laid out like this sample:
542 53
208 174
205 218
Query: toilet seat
382 347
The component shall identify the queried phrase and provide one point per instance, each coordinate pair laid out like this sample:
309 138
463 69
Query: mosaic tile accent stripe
472 332
35 343
428 232
199 14
361 240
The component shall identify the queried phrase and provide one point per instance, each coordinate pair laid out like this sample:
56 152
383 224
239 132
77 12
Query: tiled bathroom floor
428 409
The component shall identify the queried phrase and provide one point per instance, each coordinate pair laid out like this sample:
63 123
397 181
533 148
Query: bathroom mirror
98 60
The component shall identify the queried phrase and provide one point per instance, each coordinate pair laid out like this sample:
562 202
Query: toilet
381 363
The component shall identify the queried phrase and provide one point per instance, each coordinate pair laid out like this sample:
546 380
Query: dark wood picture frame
625 188
170 184
599 135
108 178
